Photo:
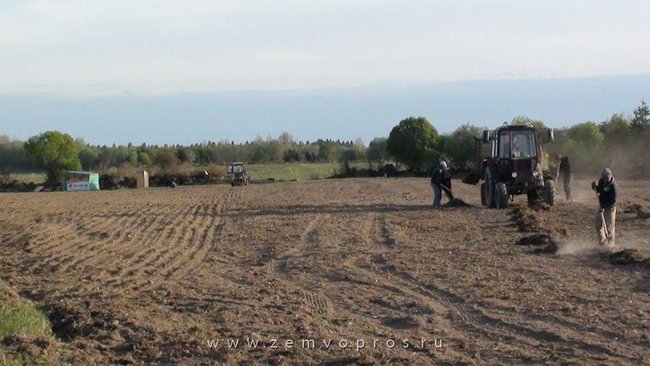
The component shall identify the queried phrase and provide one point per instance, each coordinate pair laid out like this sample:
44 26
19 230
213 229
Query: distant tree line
56 152
620 142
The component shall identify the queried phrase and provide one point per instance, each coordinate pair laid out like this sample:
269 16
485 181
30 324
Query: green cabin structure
80 181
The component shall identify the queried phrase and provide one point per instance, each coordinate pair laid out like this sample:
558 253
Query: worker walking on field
441 181
564 167
606 218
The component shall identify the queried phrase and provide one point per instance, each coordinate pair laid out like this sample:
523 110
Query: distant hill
364 112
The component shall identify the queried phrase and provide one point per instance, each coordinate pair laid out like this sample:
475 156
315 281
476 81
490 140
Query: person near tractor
441 181
606 190
564 167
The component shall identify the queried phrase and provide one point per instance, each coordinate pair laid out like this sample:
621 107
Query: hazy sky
92 49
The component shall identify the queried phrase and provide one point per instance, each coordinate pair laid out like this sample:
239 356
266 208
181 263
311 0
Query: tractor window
523 144
237 169
516 144
504 145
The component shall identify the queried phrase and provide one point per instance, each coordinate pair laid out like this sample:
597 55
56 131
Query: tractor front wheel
501 192
490 177
533 197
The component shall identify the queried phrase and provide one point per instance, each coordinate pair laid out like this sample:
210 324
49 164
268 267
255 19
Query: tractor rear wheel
501 192
490 177
483 201
549 192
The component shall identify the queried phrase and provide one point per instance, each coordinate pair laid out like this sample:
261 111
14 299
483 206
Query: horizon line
89 93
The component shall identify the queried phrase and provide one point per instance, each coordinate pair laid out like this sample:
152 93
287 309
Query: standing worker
441 180
606 217
567 174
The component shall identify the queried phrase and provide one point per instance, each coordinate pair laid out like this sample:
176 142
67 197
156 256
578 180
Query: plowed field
179 275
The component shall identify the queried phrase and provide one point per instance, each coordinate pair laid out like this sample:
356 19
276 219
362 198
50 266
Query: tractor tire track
317 303
97 246
179 258
148 249
466 316
211 229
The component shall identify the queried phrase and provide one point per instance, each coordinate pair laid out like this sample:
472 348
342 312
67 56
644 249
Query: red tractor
510 160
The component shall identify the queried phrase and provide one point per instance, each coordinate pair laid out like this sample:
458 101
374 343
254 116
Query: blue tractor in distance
237 174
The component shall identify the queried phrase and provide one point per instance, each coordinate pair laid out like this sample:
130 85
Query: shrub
215 172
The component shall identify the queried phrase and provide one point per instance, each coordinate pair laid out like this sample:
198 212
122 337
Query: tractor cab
515 155
516 144
237 173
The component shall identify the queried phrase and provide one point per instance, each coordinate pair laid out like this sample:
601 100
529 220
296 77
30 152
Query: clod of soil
638 210
30 347
401 323
457 202
538 205
69 322
526 220
628 256
537 239
549 249
101 235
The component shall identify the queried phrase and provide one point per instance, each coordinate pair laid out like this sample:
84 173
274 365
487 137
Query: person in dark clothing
567 174
606 189
445 182
441 181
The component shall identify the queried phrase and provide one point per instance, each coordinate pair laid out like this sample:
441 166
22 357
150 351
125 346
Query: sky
188 71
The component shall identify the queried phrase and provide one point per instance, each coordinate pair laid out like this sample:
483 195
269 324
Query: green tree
291 155
286 139
326 151
524 120
587 133
616 130
460 146
350 155
133 158
144 158
641 120
376 151
640 126
13 155
583 143
185 155
167 161
347 156
88 157
55 152
413 142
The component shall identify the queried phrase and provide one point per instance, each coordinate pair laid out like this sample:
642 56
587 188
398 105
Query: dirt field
154 276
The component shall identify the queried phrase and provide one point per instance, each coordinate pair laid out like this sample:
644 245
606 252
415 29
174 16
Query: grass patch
280 171
25 332
291 171
22 318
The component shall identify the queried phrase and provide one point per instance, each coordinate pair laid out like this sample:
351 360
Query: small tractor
237 173
510 161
